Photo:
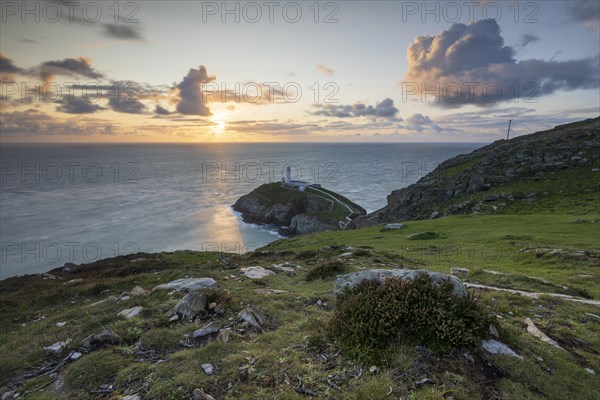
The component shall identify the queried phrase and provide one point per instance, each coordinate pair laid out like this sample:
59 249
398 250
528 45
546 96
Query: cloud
8 69
469 64
29 41
161 110
35 123
528 38
122 31
79 105
325 70
586 12
420 123
191 100
384 109
81 66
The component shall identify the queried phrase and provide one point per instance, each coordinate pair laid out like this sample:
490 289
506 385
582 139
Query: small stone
138 291
223 336
174 318
392 226
494 347
590 371
131 396
124 298
256 272
75 356
73 282
202 332
98 340
207 368
212 306
129 313
61 324
469 357
56 348
373 369
253 317
425 381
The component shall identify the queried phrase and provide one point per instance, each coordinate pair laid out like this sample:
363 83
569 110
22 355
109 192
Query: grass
295 344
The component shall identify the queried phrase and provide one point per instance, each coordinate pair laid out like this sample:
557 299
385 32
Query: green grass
295 344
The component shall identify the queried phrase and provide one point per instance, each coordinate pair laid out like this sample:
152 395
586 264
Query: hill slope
527 174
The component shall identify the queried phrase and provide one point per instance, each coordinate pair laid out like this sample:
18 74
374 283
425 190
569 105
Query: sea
79 203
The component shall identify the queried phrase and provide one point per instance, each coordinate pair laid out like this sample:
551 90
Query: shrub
361 253
161 339
424 236
374 316
325 270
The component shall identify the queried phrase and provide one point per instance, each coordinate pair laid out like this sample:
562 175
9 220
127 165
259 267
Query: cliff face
455 185
300 212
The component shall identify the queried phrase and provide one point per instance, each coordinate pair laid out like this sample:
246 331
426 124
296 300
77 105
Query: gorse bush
325 270
374 316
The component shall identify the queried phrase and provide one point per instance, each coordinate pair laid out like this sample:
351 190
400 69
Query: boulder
190 306
354 278
256 272
188 284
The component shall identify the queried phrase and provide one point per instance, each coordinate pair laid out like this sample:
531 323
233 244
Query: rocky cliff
295 211
469 183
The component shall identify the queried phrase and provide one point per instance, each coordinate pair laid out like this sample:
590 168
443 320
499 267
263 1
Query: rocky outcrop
449 188
293 211
351 280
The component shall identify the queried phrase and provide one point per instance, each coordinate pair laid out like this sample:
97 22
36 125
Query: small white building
287 180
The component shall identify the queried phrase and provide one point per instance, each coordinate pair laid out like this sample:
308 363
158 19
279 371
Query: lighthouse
288 174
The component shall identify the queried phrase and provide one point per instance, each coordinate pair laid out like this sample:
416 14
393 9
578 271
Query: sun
219 120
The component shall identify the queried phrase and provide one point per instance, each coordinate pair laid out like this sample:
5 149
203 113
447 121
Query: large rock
354 278
188 284
190 306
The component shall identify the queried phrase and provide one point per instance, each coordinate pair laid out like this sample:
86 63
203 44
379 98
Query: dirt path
534 295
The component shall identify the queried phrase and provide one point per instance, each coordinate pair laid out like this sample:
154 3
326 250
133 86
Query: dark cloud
528 38
469 64
8 69
79 105
586 12
81 66
384 109
191 99
125 96
29 41
161 110
122 31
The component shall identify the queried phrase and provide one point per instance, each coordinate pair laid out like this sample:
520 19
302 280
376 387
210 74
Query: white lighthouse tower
288 174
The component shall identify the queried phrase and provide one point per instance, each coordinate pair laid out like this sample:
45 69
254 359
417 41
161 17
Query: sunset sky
345 71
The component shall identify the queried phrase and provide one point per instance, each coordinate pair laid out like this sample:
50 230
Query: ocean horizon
80 203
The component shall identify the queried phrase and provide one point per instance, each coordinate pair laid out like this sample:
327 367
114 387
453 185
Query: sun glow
219 119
